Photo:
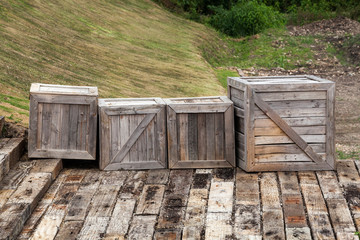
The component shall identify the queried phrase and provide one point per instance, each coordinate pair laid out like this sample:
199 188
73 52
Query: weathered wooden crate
63 122
132 133
283 123
200 132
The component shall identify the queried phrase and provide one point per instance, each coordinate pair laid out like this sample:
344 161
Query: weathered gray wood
69 230
196 209
286 148
133 185
221 197
293 96
229 136
183 146
286 128
12 219
31 189
202 164
57 127
142 227
294 112
193 136
286 139
276 131
52 166
217 221
305 121
150 199
219 136
315 206
330 126
168 235
120 219
94 228
210 136
172 137
347 172
158 176
298 233
247 208
292 203
201 136
103 201
50 223
208 108
273 223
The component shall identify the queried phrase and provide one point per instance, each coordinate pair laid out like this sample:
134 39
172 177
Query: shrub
246 18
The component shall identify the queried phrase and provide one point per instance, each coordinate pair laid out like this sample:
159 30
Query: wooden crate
63 122
132 133
283 123
200 132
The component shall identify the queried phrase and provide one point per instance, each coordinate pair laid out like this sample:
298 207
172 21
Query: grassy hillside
127 48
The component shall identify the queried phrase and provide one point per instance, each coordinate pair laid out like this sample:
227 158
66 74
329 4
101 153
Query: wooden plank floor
199 204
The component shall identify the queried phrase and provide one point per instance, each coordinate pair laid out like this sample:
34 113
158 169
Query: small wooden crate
132 133
200 132
283 123
63 122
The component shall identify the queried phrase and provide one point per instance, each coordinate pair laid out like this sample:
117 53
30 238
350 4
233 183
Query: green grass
126 48
273 48
350 155
222 75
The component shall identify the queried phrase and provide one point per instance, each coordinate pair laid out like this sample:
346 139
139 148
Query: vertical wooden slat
65 130
46 127
172 136
124 133
54 126
160 131
73 124
229 136
182 122
150 142
201 136
92 127
142 151
210 136
249 126
219 136
104 139
193 136
81 128
330 126
38 124
133 123
114 135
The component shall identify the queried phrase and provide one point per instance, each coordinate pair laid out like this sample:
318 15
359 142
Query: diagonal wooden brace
134 136
286 128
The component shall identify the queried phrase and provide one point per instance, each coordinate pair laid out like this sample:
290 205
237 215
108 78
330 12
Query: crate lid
288 79
63 89
199 100
120 102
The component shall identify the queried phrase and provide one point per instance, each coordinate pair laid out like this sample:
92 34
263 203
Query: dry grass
127 48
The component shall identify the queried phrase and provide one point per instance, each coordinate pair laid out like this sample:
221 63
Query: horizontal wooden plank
129 110
295 86
298 104
55 153
292 166
59 99
293 122
293 112
134 165
286 148
239 112
284 158
41 88
276 131
201 108
202 164
285 139
237 93
283 96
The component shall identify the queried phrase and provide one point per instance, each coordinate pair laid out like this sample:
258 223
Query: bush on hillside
246 18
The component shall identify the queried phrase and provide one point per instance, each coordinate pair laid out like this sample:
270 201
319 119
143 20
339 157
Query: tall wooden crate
200 132
132 133
284 123
63 122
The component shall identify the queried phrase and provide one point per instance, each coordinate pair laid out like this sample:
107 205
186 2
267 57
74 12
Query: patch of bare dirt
339 26
13 130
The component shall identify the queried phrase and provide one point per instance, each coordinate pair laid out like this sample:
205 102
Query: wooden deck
199 204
